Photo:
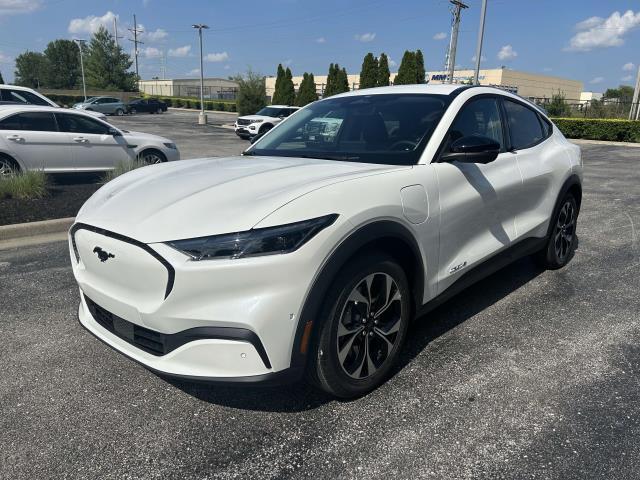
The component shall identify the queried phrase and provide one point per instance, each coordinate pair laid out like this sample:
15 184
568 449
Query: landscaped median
614 130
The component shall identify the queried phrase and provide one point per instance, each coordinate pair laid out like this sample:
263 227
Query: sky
595 41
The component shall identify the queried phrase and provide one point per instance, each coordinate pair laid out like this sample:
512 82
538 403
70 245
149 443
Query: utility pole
453 44
80 44
202 118
634 111
483 15
115 31
135 41
163 65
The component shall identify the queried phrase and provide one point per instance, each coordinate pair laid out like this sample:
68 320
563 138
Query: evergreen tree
420 73
330 87
278 91
307 91
369 72
343 81
407 73
107 65
383 71
252 95
63 61
31 68
289 91
1 79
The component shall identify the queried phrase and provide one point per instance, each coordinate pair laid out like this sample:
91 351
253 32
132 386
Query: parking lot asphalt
193 140
530 374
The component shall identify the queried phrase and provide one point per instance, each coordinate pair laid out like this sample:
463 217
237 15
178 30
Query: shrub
220 106
230 107
167 100
187 103
178 102
599 129
208 105
196 105
122 168
24 185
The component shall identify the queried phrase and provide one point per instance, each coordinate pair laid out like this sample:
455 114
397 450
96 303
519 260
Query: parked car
106 105
148 105
61 140
28 96
310 255
248 126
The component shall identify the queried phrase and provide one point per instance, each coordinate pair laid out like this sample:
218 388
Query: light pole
483 14
202 118
80 43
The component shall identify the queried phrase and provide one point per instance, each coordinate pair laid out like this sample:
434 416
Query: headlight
258 120
172 146
259 241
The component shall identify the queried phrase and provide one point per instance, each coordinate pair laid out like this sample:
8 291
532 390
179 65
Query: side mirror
472 149
115 132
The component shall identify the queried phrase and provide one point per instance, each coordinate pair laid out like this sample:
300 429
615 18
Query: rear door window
524 125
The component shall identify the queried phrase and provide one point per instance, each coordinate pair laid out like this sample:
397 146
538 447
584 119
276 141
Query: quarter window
80 124
31 121
480 117
524 125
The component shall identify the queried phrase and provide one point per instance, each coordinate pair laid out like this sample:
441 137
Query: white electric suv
311 253
249 126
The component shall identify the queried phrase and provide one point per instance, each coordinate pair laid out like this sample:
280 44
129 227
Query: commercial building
214 88
529 85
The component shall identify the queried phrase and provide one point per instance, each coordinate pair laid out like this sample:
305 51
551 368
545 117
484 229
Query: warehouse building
214 88
529 85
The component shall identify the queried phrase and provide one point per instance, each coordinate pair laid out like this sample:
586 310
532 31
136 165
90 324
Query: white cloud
321 40
287 62
195 71
5 58
180 51
11 7
627 78
154 36
216 57
482 58
145 3
365 37
91 23
507 53
597 32
227 67
596 80
392 62
440 36
151 52
628 67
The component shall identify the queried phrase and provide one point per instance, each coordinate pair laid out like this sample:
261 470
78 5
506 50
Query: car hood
258 117
196 198
141 136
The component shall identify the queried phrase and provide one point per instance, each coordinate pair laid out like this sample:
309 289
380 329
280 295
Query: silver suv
107 105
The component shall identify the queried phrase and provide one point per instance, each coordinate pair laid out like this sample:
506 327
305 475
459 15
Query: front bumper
246 131
216 321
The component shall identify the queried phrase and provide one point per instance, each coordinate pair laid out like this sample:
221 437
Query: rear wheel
133 111
365 324
562 242
8 167
119 112
159 111
151 157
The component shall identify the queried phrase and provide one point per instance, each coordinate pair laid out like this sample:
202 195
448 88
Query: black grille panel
143 338
242 121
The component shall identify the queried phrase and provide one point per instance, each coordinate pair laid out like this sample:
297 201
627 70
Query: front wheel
119 112
562 242
365 324
151 157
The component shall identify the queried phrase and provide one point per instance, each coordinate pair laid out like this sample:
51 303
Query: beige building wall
526 84
187 87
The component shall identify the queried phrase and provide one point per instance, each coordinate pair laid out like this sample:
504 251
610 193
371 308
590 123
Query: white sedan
57 140
311 254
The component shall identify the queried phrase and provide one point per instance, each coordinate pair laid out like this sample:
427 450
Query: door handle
80 140
15 138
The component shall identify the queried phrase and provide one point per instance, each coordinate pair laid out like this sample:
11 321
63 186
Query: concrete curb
32 229
198 111
603 142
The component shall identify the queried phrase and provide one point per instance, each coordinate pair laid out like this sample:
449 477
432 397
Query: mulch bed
66 196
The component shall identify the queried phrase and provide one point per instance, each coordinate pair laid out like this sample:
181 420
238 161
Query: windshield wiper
343 158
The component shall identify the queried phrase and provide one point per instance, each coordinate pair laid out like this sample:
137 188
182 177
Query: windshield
385 128
271 112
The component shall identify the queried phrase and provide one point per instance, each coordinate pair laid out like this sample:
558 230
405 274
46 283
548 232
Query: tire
119 112
152 156
562 241
133 111
8 166
356 347
159 111
265 129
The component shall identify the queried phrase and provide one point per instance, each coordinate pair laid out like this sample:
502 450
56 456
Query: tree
307 90
624 93
343 81
107 65
383 71
63 62
30 69
330 87
252 95
288 91
558 107
278 92
369 72
407 73
1 79
420 73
